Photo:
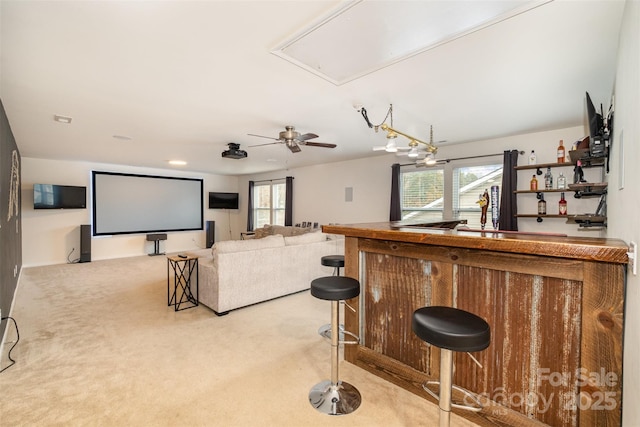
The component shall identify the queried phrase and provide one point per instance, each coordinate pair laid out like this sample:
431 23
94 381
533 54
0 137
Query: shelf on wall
553 190
542 216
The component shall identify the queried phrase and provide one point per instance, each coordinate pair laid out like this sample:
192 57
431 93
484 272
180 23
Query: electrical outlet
15 270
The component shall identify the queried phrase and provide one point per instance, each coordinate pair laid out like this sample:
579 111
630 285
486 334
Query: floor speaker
211 233
85 243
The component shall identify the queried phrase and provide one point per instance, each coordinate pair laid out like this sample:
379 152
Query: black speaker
211 233
85 243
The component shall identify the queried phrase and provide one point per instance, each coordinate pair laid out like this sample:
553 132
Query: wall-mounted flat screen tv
49 196
223 200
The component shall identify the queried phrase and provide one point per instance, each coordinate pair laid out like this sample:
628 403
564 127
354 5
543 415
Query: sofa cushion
229 246
305 238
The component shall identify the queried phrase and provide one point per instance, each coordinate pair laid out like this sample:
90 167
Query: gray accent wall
10 217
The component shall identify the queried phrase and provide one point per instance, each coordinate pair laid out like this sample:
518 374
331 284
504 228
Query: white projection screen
128 203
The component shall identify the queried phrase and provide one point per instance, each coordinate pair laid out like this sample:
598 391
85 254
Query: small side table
185 270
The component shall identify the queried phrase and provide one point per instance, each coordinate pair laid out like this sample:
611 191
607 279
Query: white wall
320 190
49 236
624 203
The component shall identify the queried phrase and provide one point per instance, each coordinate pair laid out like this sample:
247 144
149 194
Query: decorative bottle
562 181
561 152
562 205
548 180
532 158
533 184
542 206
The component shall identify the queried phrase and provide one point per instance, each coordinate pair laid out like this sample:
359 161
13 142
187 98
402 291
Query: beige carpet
99 347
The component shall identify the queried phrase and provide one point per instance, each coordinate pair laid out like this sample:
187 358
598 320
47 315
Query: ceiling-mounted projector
234 152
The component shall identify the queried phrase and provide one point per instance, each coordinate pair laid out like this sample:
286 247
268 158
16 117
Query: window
269 203
469 183
448 192
422 195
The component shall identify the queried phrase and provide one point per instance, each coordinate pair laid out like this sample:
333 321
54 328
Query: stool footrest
325 332
477 405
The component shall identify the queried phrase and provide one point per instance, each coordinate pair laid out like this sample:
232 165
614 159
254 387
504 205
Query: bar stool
335 397
335 261
450 329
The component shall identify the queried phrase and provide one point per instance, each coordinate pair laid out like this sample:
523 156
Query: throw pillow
263 232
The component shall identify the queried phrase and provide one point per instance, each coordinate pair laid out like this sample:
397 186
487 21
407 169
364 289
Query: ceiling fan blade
268 143
262 136
295 148
306 136
320 144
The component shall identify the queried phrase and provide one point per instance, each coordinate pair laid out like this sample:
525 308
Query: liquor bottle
533 184
542 206
562 205
562 181
561 152
532 158
548 180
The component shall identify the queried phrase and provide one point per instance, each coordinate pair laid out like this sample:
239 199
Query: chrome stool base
332 399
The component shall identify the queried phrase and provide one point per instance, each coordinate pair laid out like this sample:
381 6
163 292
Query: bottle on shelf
562 181
533 184
548 180
532 158
561 152
542 206
562 205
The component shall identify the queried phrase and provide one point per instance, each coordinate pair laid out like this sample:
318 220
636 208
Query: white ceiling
185 78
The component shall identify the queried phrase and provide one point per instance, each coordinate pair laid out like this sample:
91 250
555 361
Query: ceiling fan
293 140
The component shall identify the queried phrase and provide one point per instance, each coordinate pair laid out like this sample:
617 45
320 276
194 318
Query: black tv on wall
50 196
219 200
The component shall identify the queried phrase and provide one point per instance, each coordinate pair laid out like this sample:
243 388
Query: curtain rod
464 158
271 180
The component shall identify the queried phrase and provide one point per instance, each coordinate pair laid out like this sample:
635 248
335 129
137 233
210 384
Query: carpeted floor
99 346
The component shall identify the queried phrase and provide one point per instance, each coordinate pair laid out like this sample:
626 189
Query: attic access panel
365 36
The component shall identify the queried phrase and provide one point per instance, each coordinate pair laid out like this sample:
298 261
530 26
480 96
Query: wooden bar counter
555 306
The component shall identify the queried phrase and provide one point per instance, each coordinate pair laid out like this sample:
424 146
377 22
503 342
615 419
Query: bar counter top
540 244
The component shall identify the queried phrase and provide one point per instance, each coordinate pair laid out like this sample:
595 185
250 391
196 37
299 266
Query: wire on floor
14 344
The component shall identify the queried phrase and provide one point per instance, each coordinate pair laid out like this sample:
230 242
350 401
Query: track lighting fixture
392 135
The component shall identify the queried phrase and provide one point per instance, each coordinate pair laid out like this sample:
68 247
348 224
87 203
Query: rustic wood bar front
555 306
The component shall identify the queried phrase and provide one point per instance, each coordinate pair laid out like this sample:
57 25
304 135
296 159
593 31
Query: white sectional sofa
238 273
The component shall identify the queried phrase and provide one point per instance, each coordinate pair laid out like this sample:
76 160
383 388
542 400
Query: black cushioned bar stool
450 329
335 261
335 397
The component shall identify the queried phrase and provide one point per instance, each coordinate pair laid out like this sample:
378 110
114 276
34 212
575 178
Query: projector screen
128 203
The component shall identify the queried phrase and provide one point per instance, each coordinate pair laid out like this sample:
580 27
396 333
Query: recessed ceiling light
177 162
62 119
123 137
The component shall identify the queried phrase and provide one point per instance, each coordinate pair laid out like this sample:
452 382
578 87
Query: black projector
234 152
